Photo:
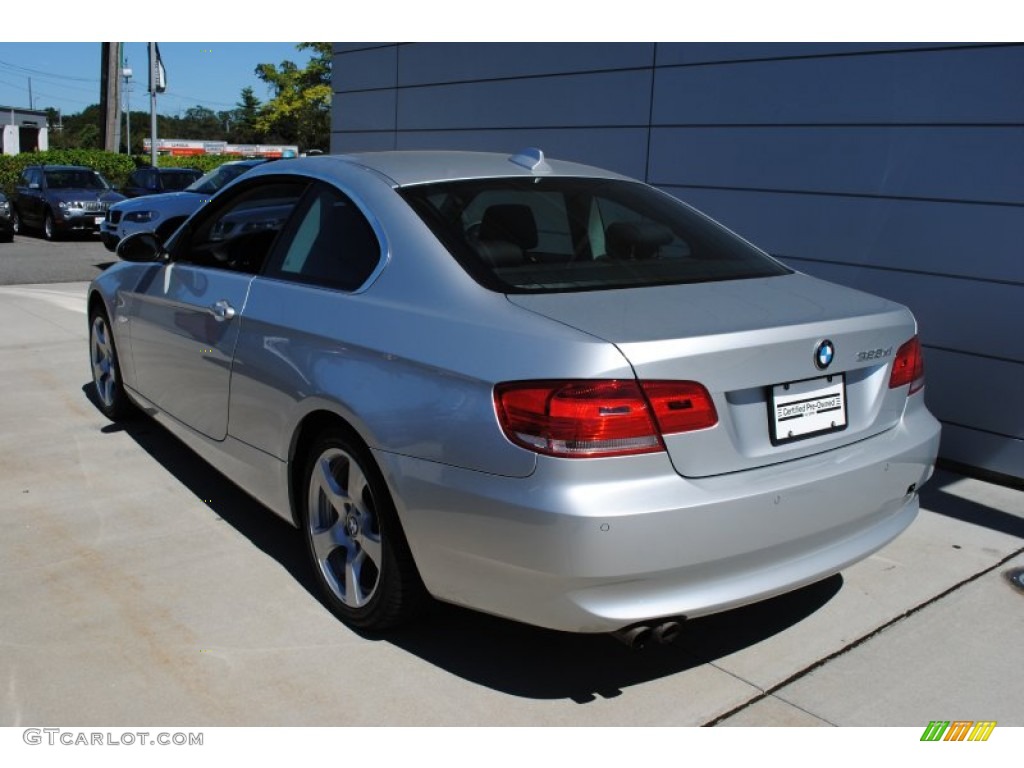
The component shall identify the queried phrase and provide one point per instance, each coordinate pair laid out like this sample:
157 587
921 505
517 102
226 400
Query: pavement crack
771 691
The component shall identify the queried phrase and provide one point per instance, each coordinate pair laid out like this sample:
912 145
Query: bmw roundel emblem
823 354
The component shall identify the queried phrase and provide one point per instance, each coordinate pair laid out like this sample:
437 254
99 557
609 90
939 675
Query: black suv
153 181
58 199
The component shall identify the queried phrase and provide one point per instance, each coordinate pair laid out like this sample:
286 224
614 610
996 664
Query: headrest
635 240
511 222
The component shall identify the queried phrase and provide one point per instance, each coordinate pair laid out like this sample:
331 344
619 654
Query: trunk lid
743 340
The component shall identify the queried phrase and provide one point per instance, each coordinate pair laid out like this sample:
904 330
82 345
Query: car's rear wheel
355 541
106 369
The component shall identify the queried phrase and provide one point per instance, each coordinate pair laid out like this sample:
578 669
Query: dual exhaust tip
638 636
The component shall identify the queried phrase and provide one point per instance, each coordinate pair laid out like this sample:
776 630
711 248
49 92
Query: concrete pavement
138 587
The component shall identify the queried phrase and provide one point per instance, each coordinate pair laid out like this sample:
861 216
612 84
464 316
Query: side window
238 233
332 245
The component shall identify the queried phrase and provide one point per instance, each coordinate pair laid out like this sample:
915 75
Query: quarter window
333 245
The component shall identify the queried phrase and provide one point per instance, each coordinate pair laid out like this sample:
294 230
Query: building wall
23 130
895 168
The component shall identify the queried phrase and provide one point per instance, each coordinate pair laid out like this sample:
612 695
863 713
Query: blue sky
67 75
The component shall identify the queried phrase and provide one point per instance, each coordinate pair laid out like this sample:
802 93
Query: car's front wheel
358 549
49 227
19 228
106 368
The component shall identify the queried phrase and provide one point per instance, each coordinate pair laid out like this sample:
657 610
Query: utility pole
31 105
110 97
154 84
127 108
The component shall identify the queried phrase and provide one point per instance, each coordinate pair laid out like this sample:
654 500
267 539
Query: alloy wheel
104 362
344 528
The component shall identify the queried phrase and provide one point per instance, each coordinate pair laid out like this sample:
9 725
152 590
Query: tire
355 542
106 369
19 228
49 230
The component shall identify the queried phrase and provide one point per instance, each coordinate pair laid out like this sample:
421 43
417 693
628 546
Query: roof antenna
532 159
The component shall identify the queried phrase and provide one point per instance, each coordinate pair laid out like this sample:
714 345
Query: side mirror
141 247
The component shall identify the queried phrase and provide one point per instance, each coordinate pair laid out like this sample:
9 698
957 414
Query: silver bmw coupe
534 388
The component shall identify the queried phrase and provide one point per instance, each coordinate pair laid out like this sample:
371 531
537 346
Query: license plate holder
798 410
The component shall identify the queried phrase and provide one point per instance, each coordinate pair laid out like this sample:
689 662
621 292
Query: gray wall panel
450 62
620 149
364 69
969 86
951 382
968 315
601 99
897 168
981 449
700 53
346 47
362 142
979 241
979 164
363 111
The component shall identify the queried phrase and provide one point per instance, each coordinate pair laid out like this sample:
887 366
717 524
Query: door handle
222 310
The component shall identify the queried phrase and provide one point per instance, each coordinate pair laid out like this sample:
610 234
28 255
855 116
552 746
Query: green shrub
204 163
113 167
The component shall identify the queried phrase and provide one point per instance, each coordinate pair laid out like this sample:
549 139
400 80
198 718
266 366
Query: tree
199 123
300 110
245 117
81 131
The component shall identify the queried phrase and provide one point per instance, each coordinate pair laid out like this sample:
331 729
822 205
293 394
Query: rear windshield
542 235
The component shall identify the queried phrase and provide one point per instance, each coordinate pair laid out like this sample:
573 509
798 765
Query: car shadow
935 498
497 653
536 663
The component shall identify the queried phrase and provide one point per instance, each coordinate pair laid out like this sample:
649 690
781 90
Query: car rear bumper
597 545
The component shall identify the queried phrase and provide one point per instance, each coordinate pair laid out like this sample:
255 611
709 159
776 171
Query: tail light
908 367
581 419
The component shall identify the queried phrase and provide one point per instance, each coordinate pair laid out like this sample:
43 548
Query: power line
200 102
76 88
31 71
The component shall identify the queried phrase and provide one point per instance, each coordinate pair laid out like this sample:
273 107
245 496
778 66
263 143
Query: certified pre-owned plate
807 408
